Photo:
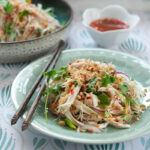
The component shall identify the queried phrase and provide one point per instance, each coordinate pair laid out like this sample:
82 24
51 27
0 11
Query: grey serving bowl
20 51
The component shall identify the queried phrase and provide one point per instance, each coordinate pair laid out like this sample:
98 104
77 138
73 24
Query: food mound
21 20
89 96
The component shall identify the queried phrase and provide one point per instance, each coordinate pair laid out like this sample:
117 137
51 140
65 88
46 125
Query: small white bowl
111 37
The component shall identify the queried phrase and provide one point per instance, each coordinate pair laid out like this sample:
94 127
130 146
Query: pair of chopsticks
50 65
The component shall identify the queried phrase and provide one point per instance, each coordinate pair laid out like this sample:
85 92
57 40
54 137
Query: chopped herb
39 31
112 79
129 100
67 75
94 91
75 83
44 93
56 89
107 79
53 72
27 1
23 13
92 82
104 101
123 88
107 113
64 23
57 78
62 70
69 123
8 7
8 29
49 73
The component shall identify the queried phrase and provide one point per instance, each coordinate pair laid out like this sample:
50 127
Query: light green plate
133 66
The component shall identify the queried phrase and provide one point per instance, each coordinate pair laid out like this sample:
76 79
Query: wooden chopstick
37 99
21 109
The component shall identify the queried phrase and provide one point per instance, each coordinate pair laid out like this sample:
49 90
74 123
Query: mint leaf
104 101
69 123
23 13
129 100
123 88
92 82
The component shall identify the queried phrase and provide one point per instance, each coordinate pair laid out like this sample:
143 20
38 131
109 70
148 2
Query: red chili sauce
108 24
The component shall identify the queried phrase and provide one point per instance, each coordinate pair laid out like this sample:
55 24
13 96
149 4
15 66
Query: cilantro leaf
123 88
8 29
92 82
104 101
67 75
107 79
129 100
56 89
69 123
112 79
62 70
50 73
107 113
75 83
8 7
94 91
57 78
23 13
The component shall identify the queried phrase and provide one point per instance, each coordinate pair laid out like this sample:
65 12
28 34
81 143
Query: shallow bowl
31 49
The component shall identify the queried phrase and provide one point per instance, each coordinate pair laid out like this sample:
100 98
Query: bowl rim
44 36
